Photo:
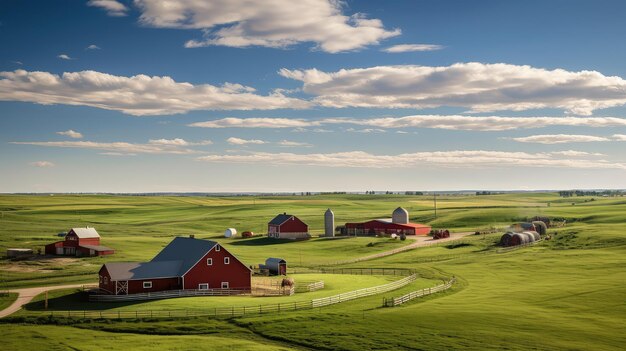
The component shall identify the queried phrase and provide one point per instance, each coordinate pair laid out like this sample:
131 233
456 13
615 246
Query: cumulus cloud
138 95
42 164
112 7
64 57
72 134
455 159
178 142
289 143
269 23
559 139
114 147
239 141
451 122
619 137
93 47
477 86
412 47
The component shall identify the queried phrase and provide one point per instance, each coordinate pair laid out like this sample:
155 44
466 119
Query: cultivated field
565 293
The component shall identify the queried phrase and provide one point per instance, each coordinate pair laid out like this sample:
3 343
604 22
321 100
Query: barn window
226 260
209 261
106 280
203 286
224 285
147 285
217 248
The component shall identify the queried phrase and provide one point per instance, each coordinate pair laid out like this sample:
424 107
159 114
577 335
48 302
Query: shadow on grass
77 301
264 241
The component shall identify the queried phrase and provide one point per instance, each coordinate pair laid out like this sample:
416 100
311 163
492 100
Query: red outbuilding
286 226
79 242
184 264
384 226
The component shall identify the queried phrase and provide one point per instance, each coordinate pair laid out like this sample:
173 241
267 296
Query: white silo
230 232
400 216
329 223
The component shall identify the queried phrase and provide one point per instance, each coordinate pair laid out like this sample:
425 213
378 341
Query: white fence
167 294
419 293
330 300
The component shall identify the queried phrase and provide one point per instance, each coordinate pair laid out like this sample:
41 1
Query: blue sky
124 96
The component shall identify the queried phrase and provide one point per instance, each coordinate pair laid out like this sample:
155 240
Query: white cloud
178 142
574 153
72 134
93 47
366 130
18 62
116 154
138 95
64 57
233 122
619 137
42 164
269 23
115 147
454 159
477 86
238 141
112 7
559 139
289 143
412 47
451 122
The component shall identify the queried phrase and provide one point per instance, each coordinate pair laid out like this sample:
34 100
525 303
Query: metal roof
280 219
143 270
97 247
86 233
187 250
274 260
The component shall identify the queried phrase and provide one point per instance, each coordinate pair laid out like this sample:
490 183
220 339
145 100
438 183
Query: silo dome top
329 211
400 215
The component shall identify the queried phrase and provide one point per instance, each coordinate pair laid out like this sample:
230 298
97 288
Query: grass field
565 293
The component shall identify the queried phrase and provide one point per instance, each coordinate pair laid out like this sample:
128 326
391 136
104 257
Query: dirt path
420 241
27 294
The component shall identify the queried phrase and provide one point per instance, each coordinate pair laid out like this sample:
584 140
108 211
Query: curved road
27 294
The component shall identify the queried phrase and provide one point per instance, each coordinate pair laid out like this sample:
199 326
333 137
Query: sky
311 95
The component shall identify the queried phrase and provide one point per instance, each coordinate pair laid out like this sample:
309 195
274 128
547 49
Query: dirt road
27 294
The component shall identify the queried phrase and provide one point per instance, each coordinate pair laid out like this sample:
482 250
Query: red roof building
79 242
184 264
286 226
398 224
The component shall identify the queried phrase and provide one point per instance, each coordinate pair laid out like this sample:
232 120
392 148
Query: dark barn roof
280 219
187 250
143 270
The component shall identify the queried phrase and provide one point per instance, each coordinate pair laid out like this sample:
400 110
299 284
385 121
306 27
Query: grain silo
230 232
400 216
329 223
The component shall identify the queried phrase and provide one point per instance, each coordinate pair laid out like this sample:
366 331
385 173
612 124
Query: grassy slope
562 294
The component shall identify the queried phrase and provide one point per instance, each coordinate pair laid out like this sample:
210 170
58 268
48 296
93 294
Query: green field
565 293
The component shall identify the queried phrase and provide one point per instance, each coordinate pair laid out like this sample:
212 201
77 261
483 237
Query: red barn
184 264
79 242
286 226
384 226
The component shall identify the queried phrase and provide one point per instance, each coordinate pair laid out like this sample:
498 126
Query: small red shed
184 264
286 226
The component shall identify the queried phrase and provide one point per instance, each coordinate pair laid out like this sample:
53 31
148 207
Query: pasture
565 293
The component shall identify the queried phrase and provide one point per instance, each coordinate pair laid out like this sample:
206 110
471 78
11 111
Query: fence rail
167 294
395 301
513 248
233 311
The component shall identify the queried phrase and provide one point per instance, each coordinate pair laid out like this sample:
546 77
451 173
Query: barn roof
86 233
280 219
97 247
187 250
143 270
274 260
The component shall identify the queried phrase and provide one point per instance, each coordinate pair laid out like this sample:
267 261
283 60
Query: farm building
184 264
286 226
398 224
79 242
274 266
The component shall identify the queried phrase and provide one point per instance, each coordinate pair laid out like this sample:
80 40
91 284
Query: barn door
121 288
